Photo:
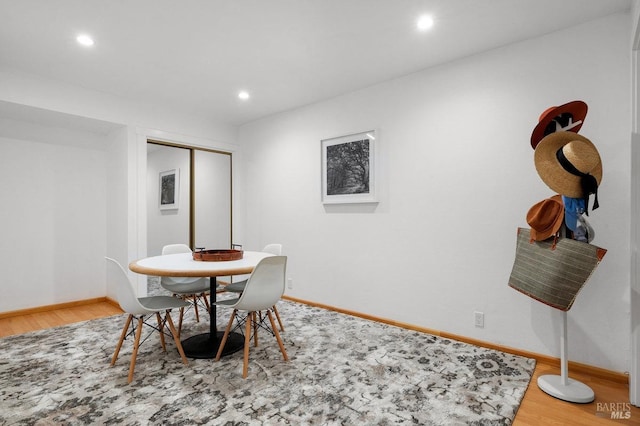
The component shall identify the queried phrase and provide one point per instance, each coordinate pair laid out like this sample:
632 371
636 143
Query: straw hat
545 218
567 117
570 165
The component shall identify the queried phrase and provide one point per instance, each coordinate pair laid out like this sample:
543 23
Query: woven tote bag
553 271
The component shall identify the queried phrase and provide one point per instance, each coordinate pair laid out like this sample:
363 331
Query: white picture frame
169 190
349 168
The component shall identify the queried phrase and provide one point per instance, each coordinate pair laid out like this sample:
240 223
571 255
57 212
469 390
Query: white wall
54 213
456 178
124 173
117 225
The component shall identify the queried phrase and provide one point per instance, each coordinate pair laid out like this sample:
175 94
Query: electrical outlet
479 319
290 283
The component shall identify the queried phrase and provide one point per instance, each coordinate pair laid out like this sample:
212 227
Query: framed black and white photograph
169 189
348 168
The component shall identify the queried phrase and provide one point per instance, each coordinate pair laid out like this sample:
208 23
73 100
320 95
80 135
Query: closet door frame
192 200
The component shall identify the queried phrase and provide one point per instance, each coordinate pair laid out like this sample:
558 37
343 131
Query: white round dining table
203 345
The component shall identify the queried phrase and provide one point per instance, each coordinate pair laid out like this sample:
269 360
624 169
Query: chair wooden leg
275 331
226 335
125 329
247 340
161 330
275 311
255 329
180 321
136 344
206 302
176 337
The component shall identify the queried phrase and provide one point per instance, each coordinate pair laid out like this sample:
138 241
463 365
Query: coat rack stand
563 387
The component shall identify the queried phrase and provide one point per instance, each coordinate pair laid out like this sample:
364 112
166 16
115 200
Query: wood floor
537 407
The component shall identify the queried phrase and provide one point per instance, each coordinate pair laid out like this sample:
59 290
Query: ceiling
196 55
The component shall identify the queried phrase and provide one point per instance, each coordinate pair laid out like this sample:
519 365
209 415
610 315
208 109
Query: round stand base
202 346
573 391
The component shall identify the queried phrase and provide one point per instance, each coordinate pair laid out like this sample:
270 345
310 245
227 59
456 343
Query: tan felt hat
545 218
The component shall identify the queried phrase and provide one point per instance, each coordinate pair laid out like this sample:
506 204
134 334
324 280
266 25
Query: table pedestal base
202 346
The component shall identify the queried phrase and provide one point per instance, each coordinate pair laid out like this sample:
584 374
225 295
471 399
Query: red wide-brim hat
577 109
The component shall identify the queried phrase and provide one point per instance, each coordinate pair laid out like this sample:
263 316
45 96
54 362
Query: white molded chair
186 288
141 308
238 287
263 289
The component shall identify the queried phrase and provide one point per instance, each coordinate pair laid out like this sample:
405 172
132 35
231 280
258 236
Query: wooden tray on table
217 255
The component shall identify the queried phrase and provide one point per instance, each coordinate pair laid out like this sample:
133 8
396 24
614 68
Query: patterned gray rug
342 371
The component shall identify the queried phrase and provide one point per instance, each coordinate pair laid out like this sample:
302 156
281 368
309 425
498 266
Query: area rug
342 371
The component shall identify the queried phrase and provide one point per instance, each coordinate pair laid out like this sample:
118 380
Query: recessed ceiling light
244 95
85 40
425 22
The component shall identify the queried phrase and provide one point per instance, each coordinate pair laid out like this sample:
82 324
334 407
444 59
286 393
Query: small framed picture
348 168
169 189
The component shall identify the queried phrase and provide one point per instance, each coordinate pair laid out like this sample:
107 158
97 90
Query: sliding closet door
189 197
211 223
168 208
